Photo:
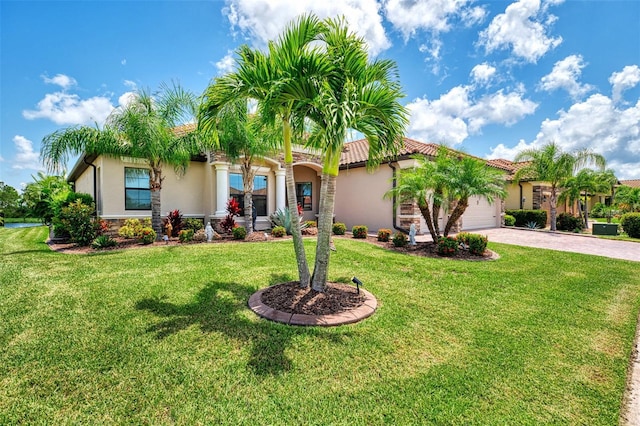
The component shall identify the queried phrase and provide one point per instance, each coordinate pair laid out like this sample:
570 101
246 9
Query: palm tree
141 129
550 164
607 181
355 94
581 185
244 138
445 180
282 81
628 198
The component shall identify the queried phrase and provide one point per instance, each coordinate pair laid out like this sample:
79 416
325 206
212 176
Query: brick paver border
347 317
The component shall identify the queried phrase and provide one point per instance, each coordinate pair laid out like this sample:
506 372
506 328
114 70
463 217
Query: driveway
585 244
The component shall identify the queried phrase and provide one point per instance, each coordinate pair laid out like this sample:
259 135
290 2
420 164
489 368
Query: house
532 194
120 187
633 183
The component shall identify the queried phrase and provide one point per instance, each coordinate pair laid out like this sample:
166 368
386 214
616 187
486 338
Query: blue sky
487 77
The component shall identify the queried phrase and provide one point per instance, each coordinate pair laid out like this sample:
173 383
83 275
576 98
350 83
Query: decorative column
281 197
222 188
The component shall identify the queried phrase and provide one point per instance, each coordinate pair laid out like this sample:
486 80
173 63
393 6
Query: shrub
147 235
200 236
599 210
132 228
77 220
102 227
310 231
400 239
185 235
239 233
228 224
278 231
477 244
384 234
631 224
463 237
567 222
525 216
447 246
310 224
532 225
192 223
175 219
339 228
103 241
359 231
509 220
282 217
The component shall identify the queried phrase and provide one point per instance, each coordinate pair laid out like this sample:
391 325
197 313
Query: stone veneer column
281 189
222 188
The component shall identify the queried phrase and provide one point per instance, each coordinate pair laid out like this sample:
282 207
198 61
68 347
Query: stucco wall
306 174
359 198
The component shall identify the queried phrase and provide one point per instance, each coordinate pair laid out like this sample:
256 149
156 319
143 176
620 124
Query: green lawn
163 335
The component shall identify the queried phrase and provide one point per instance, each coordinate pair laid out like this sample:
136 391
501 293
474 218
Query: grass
22 220
164 336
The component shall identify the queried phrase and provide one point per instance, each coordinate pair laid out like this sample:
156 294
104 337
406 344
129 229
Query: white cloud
263 20
61 80
226 64
434 16
25 157
451 118
502 151
626 79
126 98
565 75
482 73
123 62
68 109
522 29
130 84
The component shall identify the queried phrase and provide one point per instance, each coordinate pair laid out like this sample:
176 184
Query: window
303 194
137 192
259 195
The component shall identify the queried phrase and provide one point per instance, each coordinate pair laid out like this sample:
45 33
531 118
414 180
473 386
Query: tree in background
628 198
144 128
9 201
550 164
43 194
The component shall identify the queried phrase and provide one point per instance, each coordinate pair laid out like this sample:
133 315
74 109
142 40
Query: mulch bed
289 297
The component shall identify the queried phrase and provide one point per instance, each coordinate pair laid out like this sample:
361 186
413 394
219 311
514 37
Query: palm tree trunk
436 212
426 213
298 244
325 222
248 173
462 205
586 213
156 206
553 199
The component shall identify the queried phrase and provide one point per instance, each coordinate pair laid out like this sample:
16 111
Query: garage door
480 214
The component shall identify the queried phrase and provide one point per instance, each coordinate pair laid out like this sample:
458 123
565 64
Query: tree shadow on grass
222 307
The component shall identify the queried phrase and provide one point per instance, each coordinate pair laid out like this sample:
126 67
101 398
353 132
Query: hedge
525 216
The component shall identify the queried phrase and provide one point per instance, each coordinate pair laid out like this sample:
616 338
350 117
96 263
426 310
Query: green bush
147 235
359 231
77 220
477 244
185 235
192 223
523 217
239 233
567 222
447 246
463 237
278 231
339 228
384 234
631 224
509 220
103 241
310 224
400 239
599 210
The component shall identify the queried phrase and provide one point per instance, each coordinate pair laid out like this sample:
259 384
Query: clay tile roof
357 152
634 183
183 129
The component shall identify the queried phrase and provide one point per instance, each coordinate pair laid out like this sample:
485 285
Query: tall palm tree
244 138
581 185
355 94
550 164
141 129
607 181
282 81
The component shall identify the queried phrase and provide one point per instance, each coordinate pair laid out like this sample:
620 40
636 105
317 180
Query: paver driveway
564 242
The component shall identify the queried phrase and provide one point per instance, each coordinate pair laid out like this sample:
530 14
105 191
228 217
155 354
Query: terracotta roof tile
634 183
183 129
358 151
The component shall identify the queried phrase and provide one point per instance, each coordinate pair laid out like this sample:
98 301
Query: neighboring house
530 193
120 187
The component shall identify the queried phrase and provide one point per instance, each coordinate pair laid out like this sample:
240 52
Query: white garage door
480 214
